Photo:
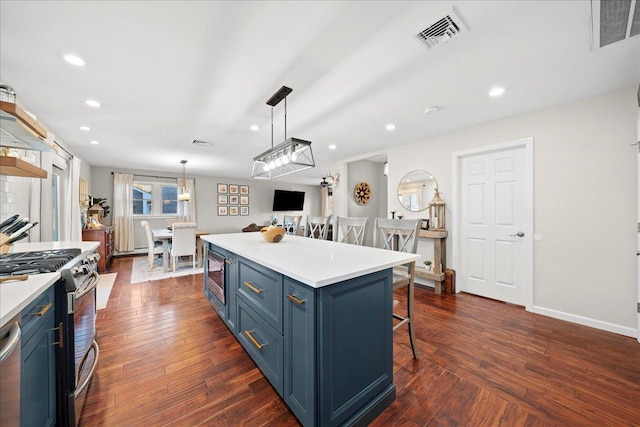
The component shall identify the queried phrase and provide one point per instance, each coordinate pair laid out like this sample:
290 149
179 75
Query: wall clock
362 193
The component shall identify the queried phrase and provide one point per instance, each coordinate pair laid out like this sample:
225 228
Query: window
155 198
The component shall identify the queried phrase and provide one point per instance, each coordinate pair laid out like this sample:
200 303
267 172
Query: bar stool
291 224
401 235
349 229
317 227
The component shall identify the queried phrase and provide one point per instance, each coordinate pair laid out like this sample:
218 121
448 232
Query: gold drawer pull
296 300
253 340
60 342
43 310
228 261
253 288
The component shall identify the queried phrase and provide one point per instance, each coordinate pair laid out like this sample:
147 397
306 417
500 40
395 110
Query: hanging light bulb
184 196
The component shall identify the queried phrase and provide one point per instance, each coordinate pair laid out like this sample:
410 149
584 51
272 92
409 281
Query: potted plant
428 264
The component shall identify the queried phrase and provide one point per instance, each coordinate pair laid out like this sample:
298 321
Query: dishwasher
10 373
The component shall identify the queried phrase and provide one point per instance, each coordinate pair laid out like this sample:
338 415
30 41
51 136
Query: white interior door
494 207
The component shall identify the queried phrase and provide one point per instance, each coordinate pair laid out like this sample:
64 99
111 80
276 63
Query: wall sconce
292 155
437 212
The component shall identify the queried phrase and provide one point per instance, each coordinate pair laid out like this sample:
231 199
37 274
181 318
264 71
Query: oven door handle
96 278
85 383
14 341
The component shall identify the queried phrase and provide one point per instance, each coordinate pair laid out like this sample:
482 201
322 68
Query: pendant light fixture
184 196
292 155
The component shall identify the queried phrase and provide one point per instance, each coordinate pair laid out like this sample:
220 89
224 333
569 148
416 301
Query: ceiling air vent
613 21
201 143
441 31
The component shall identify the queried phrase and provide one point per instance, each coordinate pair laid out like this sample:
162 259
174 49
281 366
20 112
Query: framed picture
233 200
244 210
244 200
223 199
223 188
244 189
222 211
233 210
233 189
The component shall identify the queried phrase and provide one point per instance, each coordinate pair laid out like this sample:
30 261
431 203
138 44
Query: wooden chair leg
412 336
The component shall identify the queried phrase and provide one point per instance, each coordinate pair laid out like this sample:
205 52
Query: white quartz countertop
16 295
313 262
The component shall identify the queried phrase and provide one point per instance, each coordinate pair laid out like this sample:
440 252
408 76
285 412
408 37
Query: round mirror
416 190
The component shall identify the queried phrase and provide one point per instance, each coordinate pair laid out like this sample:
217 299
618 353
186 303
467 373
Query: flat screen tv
284 200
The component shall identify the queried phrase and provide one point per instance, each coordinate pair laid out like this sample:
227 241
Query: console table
439 257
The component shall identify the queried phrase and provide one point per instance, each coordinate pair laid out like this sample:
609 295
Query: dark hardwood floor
167 359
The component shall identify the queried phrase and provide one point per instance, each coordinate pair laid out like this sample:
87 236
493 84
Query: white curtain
71 226
187 209
123 211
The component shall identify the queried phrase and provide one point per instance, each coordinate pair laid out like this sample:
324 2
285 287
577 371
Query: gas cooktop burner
36 262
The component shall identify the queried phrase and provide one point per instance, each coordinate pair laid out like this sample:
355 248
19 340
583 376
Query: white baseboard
586 321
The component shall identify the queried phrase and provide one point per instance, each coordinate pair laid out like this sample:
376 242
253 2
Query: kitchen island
315 316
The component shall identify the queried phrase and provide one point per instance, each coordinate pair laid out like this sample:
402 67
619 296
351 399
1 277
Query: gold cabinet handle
60 342
228 261
296 300
43 310
253 288
253 340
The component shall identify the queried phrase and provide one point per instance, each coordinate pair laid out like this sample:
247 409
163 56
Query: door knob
518 234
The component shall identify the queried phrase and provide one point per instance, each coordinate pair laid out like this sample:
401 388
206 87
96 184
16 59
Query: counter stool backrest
349 229
401 235
291 223
317 227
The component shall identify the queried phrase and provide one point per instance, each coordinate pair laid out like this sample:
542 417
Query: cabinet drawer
31 317
263 344
261 288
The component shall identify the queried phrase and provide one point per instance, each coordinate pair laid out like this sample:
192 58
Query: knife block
4 247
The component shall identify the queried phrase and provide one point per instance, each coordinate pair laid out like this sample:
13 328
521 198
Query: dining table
165 235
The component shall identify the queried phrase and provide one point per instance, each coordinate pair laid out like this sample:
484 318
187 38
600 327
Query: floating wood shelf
16 167
23 117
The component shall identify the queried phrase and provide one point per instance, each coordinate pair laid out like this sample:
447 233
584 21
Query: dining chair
317 227
401 235
183 242
153 247
349 229
291 223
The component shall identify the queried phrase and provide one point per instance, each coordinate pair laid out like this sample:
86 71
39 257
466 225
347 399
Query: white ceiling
168 72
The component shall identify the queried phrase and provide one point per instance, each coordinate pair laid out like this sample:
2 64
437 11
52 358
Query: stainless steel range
78 351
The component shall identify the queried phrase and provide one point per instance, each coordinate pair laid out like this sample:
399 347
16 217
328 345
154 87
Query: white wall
260 201
372 174
584 202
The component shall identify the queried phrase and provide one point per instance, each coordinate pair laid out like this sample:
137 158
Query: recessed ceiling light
390 126
74 60
85 128
255 128
94 142
332 147
496 91
92 103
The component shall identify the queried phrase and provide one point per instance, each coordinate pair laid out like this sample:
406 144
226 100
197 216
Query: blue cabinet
38 370
327 351
227 309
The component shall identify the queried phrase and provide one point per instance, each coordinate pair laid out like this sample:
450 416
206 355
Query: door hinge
639 307
639 227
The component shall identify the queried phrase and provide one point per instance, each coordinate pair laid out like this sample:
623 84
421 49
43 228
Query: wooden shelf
16 167
425 274
433 234
24 118
439 258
